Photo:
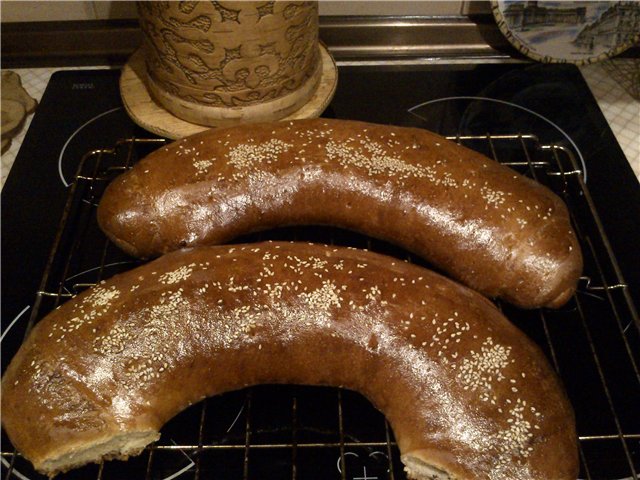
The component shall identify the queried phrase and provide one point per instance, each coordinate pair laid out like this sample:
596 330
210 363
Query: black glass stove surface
506 111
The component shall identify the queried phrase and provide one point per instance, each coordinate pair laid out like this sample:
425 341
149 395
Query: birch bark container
223 63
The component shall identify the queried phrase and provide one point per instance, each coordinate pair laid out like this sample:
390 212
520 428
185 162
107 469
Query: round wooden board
150 115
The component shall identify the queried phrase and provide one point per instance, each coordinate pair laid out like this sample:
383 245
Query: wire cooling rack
277 432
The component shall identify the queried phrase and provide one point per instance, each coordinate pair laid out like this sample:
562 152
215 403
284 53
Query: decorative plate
574 32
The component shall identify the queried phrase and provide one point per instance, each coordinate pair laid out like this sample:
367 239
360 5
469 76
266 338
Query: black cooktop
81 111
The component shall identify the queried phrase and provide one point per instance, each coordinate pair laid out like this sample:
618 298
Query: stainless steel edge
362 40
411 40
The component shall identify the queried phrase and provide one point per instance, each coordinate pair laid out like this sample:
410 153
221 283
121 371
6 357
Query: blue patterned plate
573 32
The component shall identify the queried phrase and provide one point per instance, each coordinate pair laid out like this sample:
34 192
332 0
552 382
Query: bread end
118 447
419 469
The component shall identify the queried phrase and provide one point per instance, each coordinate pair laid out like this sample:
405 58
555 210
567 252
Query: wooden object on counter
151 116
222 63
16 105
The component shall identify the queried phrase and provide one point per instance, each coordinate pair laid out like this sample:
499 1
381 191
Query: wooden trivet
150 115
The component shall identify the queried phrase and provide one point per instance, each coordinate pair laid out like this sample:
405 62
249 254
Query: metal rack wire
315 432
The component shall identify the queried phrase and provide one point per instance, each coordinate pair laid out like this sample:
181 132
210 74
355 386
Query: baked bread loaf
466 393
480 222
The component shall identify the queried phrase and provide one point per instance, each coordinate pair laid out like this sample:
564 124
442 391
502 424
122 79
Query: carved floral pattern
230 54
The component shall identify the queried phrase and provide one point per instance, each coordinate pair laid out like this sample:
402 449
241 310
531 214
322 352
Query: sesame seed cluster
93 306
376 152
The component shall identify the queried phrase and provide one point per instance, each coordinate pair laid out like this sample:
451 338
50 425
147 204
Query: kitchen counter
620 109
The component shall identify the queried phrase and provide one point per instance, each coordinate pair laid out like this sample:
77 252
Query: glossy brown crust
463 389
486 226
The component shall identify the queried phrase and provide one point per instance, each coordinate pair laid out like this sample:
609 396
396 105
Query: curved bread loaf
466 393
488 227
